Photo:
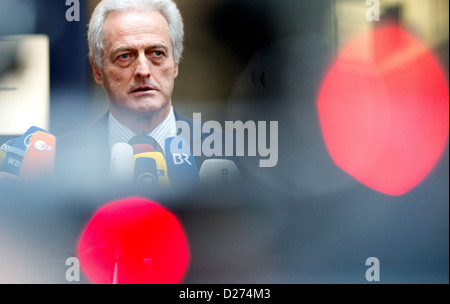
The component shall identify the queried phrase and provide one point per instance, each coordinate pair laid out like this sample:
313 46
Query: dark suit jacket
84 155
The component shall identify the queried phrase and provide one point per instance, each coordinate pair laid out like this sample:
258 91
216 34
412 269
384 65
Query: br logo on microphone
180 158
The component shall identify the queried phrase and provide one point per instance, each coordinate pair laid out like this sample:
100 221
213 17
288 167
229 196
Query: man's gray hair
166 7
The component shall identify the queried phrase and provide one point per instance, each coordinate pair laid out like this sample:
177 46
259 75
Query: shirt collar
118 132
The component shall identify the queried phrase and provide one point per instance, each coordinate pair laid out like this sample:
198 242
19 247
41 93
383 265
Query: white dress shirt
121 133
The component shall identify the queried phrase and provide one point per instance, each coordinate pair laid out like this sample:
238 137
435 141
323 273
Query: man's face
138 66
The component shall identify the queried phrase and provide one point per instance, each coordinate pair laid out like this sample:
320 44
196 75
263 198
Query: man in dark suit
135 49
83 155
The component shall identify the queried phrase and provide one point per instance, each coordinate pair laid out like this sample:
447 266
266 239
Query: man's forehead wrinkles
137 42
138 35
141 30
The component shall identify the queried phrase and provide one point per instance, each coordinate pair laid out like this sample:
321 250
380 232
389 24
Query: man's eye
158 53
124 56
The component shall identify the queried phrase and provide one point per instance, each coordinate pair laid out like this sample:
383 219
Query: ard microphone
183 171
161 166
15 154
219 173
146 172
134 241
39 159
121 168
4 149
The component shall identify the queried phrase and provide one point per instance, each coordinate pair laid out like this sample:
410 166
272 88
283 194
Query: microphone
134 241
145 140
219 173
181 165
161 166
146 172
39 159
121 168
4 149
16 152
142 148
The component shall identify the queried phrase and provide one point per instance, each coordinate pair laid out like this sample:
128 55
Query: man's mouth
142 89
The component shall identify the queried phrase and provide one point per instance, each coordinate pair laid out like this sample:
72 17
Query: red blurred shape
39 159
142 148
134 241
384 110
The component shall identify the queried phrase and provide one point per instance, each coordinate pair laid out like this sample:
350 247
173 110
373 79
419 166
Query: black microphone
145 140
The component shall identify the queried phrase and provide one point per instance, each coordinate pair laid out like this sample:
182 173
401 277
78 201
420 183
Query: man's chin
146 107
140 106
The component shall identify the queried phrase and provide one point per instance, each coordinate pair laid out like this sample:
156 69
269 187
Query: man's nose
142 68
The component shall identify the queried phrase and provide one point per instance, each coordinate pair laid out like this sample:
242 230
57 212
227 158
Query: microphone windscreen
181 165
146 140
161 166
4 149
121 167
39 159
146 172
221 173
142 148
15 154
134 241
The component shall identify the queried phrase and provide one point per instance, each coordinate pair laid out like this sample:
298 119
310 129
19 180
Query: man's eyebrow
158 46
151 47
120 50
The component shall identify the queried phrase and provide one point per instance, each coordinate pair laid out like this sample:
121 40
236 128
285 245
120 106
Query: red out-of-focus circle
384 110
134 241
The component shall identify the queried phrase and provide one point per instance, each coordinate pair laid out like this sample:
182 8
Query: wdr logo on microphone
14 162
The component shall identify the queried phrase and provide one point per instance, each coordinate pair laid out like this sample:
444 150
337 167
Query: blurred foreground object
384 112
134 241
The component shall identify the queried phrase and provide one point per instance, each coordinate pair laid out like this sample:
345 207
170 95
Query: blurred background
303 221
221 39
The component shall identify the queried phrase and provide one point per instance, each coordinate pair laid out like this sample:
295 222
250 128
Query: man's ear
97 72
175 71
